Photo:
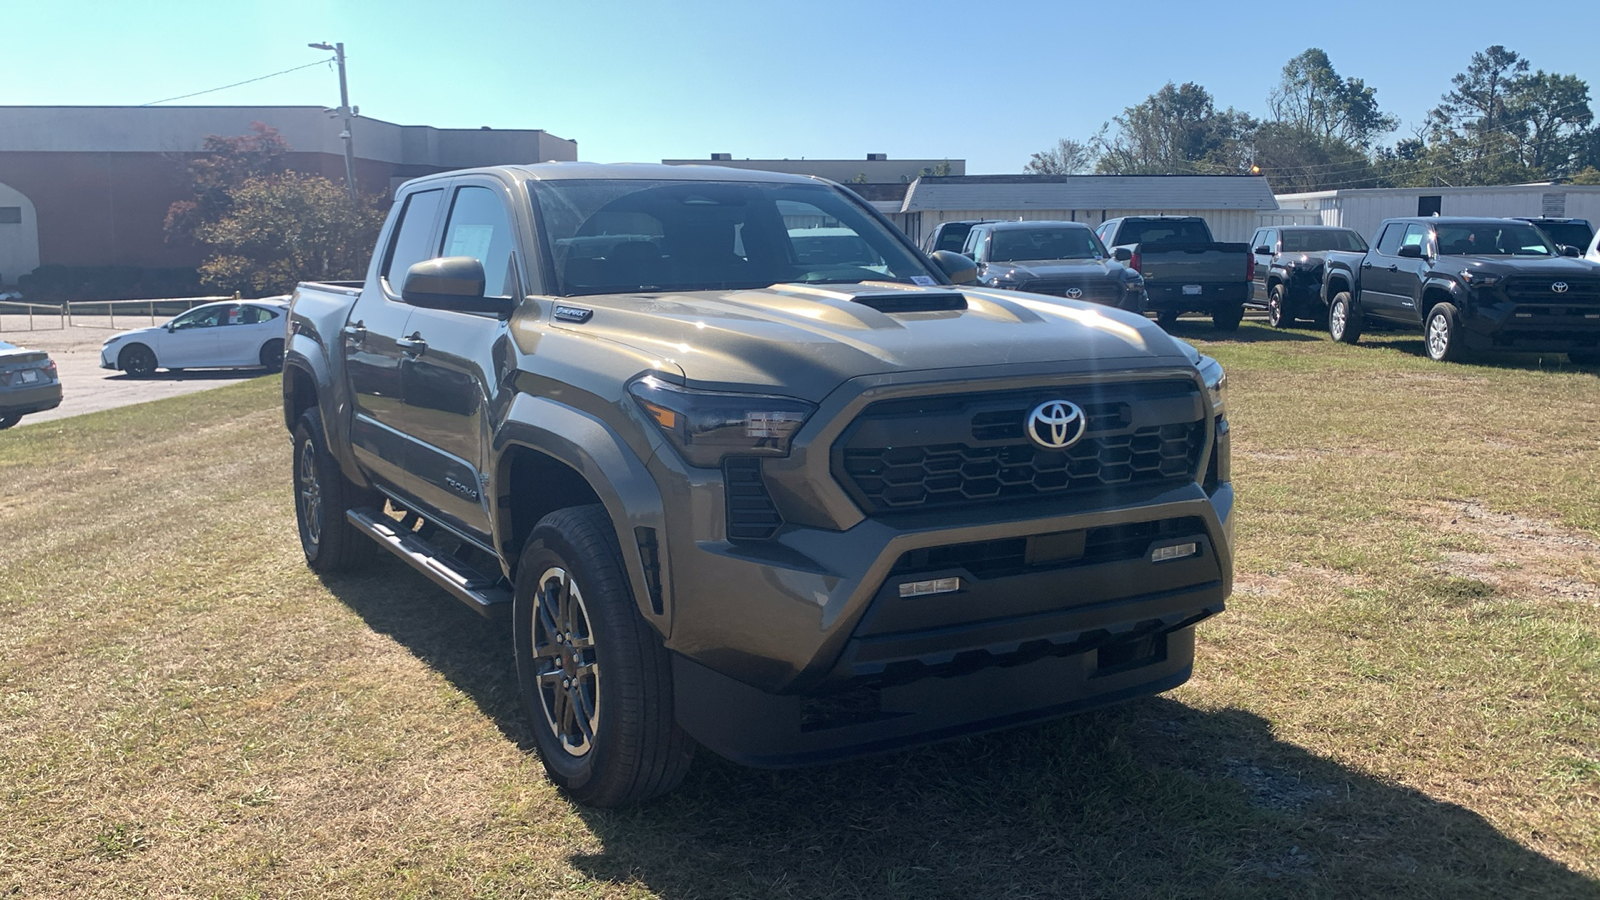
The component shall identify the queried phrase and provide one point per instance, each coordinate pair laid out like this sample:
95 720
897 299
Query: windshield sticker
923 280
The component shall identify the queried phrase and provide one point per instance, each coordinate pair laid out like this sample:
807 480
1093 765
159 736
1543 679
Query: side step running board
482 593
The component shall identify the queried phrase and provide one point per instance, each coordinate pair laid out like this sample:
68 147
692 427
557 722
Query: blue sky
641 81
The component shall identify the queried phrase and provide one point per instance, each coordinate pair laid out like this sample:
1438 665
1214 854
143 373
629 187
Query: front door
452 379
1265 239
373 358
191 339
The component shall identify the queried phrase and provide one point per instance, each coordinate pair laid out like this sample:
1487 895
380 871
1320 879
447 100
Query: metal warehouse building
1364 209
1232 204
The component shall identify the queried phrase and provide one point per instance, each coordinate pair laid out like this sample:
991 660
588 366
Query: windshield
1167 231
1573 234
1311 241
1012 244
1493 239
617 236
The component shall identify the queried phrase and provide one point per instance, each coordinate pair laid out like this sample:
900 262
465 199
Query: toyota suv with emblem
1064 259
1467 285
731 495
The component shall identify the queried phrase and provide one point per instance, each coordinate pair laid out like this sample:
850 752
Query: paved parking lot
88 388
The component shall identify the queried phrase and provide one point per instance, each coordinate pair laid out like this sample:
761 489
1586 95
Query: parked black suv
1467 284
1288 270
1063 259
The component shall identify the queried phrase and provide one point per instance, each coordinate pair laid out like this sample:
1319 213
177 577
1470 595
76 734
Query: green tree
1311 97
1549 115
283 229
1068 157
1176 130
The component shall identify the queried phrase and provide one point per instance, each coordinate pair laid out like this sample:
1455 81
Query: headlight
1479 279
705 426
1216 382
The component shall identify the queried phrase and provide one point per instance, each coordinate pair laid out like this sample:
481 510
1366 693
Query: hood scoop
892 302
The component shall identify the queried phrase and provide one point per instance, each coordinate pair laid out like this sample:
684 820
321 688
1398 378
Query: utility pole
344 113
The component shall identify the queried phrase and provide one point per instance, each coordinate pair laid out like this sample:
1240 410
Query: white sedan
226 335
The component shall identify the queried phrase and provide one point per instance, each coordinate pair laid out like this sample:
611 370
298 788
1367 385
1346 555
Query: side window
1389 241
255 315
480 228
1270 239
409 243
974 240
1416 236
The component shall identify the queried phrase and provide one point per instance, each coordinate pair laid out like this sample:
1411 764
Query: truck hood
805 340
1056 268
1553 266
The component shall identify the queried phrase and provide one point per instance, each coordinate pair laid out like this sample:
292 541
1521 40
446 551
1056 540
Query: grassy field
1403 699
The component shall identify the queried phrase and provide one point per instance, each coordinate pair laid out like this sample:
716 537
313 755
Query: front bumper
1545 327
801 647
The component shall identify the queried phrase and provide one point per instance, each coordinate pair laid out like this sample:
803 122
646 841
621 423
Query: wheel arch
549 456
122 355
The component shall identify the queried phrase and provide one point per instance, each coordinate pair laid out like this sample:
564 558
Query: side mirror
1122 254
453 283
960 269
1263 250
1569 250
171 328
1410 251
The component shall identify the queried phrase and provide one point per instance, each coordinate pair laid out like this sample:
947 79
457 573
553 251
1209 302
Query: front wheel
1344 323
322 495
1442 334
594 677
1278 312
1227 318
138 361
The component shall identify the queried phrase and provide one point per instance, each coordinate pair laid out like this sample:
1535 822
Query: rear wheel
1344 323
272 355
1167 318
595 679
137 360
1227 318
322 495
1278 313
1442 334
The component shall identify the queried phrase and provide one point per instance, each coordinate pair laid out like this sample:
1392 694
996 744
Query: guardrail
165 307
38 316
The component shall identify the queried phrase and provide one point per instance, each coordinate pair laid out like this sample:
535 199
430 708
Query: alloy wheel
310 493
1438 337
566 669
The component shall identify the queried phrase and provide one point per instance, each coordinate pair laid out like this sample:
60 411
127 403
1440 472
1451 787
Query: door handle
1394 268
1366 265
355 333
413 345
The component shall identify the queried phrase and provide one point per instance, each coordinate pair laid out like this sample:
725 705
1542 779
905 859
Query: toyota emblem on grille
1056 424
1559 287
1074 293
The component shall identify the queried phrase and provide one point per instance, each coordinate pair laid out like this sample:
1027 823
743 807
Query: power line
238 83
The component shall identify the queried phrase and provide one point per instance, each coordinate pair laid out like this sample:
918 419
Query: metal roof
1148 192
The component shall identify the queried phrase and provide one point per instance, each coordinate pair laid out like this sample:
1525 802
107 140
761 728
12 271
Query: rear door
451 378
373 357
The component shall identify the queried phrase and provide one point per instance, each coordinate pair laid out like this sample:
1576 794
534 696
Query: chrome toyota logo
1074 293
1056 424
1559 287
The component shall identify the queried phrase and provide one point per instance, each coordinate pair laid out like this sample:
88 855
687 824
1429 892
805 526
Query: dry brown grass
1401 700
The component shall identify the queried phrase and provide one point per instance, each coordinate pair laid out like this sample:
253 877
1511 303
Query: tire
8 421
1578 357
1166 318
595 680
1279 315
322 495
1227 318
137 360
1344 323
1441 334
272 355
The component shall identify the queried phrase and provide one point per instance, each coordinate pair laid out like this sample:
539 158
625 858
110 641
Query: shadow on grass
1149 799
1249 332
193 375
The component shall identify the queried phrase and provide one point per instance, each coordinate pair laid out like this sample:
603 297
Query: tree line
1499 123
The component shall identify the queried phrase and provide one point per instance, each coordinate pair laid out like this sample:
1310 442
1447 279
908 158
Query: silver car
28 383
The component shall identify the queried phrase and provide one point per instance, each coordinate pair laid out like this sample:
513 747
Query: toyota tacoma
727 495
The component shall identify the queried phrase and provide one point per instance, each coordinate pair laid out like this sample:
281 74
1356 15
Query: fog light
1176 551
925 588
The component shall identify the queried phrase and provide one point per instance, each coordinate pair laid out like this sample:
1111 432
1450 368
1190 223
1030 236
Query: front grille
1540 289
1093 291
971 449
1016 556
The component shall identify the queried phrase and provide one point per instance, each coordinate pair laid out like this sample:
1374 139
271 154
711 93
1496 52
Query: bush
55 283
